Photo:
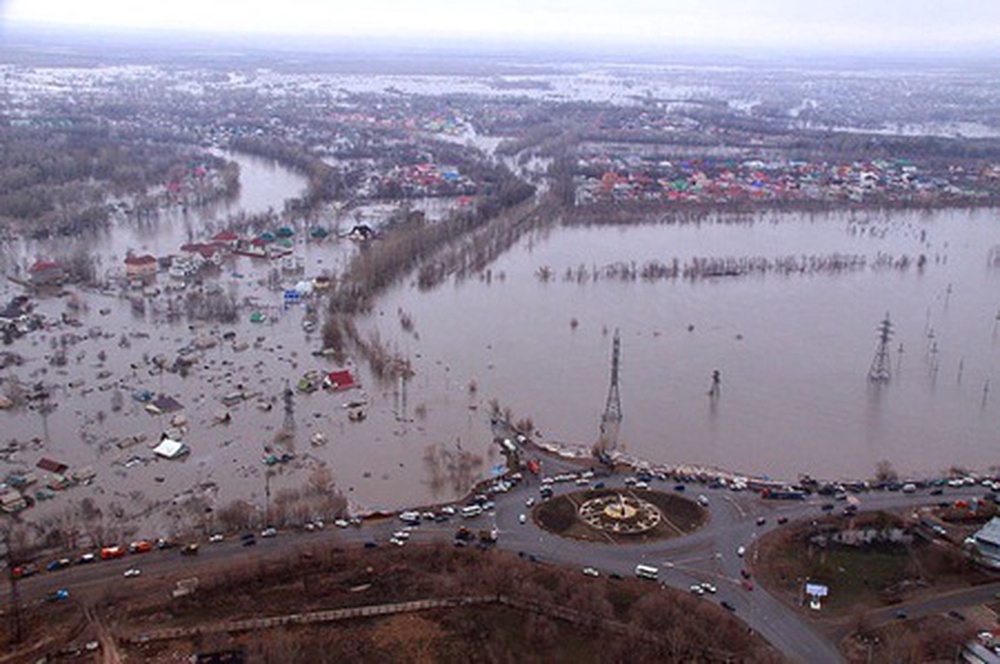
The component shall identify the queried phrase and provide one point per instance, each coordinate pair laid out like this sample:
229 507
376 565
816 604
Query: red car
748 585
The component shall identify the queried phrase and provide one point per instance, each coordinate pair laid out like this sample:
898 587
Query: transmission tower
613 408
881 369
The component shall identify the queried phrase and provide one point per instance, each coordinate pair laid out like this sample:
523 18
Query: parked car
590 571
132 572
269 532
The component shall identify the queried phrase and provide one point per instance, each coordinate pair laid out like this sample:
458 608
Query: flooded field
793 352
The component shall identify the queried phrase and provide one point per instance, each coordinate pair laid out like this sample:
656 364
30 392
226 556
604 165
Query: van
647 572
470 511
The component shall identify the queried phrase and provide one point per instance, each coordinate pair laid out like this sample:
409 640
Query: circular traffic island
620 515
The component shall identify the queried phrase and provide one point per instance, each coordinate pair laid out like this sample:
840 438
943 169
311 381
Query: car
727 606
679 487
58 564
741 551
269 532
341 523
190 549
590 571
957 615
371 545
748 584
522 518
696 589
402 534
761 521
782 520
529 502
217 537
86 559
745 573
397 541
615 576
826 507
57 595
900 615
249 541
709 588
448 510
598 485
937 491
132 572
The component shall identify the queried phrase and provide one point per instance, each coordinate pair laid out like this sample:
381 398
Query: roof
225 236
170 449
45 266
340 380
990 533
145 259
52 465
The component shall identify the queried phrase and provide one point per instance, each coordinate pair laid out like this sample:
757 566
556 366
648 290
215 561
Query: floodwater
793 352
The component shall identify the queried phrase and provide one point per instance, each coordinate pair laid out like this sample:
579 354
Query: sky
843 26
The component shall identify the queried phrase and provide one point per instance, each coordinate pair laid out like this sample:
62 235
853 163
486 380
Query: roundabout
620 516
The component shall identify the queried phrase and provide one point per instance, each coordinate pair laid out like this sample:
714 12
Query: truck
110 552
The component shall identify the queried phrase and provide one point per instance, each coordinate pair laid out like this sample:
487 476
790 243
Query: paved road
709 554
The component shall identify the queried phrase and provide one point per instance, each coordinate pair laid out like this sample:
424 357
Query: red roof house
339 380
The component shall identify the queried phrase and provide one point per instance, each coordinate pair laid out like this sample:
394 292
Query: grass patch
680 516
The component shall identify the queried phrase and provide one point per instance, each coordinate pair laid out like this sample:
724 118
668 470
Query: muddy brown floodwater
793 352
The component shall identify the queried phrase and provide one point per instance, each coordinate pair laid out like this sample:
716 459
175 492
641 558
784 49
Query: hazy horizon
850 28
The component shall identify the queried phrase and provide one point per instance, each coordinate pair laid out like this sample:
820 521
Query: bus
647 572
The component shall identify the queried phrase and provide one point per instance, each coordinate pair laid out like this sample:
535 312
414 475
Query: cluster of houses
21 489
630 178
193 257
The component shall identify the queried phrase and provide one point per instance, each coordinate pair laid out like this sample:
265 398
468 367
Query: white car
522 518
709 588
590 571
402 534
529 502
132 572
696 589
341 523
217 537
448 509
397 541
269 532
741 551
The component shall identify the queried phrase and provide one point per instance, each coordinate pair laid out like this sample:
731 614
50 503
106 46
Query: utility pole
289 399
881 368
612 417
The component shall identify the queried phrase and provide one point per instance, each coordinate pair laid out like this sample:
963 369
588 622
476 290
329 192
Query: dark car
782 520
900 615
937 492
956 615
371 545
761 521
615 576
727 606
826 507
679 487
249 541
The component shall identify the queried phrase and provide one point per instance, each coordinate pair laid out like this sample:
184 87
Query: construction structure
612 416
881 368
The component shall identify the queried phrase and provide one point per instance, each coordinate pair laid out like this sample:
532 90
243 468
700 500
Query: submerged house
140 267
171 449
339 380
985 543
